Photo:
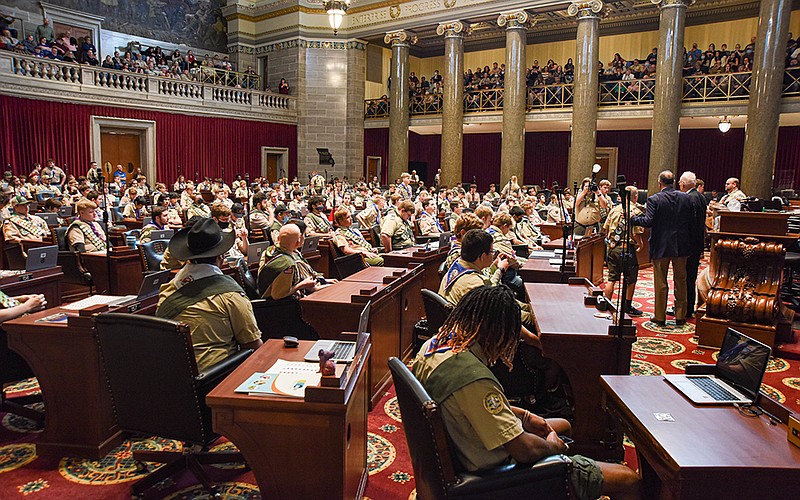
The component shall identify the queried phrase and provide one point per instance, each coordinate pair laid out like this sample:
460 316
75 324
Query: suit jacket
668 215
697 226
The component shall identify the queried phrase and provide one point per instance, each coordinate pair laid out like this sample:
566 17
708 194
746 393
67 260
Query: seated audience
351 241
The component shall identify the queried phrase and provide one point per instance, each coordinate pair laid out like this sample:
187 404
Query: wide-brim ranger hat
202 240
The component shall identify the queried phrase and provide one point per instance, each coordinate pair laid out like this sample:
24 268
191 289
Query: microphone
622 185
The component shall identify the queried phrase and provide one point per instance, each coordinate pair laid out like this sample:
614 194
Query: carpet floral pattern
658 350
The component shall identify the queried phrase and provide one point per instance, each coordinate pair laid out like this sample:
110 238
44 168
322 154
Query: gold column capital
400 37
584 9
452 28
516 19
672 3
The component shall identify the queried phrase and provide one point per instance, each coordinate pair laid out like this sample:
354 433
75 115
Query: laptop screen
363 320
444 239
742 362
152 283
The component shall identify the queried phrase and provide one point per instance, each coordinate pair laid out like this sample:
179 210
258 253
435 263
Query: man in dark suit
668 215
697 236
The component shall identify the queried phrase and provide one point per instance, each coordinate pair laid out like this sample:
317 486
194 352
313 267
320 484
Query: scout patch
493 403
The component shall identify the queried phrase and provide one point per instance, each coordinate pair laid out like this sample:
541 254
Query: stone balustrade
34 77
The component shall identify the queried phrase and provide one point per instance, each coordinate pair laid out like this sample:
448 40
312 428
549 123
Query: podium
745 272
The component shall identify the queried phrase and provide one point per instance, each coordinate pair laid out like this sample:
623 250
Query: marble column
398 108
512 158
584 109
452 101
763 109
668 91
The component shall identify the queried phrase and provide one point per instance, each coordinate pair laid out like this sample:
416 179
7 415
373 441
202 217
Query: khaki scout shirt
76 235
317 223
476 423
290 269
17 228
398 230
218 325
368 217
259 220
615 218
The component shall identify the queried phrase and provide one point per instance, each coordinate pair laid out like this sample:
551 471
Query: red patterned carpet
23 475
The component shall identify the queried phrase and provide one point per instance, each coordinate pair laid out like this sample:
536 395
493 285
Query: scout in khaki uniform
136 208
157 223
85 234
22 226
351 240
524 230
396 231
465 223
616 245
589 207
261 217
283 271
428 221
485 429
371 215
219 314
281 218
198 209
317 222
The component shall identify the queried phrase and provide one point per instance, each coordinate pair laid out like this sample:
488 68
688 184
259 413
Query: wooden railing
137 88
705 88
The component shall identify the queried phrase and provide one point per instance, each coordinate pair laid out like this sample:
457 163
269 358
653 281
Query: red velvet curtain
787 173
376 143
34 130
712 155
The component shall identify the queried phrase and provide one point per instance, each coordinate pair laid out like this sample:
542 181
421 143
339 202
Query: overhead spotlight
724 124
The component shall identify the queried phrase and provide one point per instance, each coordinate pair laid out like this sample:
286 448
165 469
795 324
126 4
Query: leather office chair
438 476
246 280
70 261
14 369
156 389
42 196
278 318
152 253
437 309
375 233
442 269
14 256
521 251
349 264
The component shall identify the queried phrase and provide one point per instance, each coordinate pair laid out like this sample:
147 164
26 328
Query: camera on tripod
593 187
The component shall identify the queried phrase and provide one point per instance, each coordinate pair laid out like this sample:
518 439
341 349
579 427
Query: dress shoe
680 322
659 323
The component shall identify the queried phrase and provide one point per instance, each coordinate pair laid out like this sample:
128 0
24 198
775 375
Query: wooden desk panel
539 271
44 281
580 343
707 452
296 449
431 260
126 271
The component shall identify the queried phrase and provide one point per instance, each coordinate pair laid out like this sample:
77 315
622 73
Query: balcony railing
146 90
429 104
706 88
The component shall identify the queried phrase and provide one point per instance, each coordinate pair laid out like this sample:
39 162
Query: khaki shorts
586 478
614 263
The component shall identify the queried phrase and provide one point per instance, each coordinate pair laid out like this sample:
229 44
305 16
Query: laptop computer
65 211
49 217
444 239
163 234
41 258
254 251
737 377
146 220
310 244
150 286
344 351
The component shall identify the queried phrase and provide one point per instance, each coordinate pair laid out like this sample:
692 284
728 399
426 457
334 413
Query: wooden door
373 167
272 167
121 149
604 162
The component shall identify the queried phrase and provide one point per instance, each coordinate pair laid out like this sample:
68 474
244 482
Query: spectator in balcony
45 31
9 41
108 63
29 44
283 87
90 58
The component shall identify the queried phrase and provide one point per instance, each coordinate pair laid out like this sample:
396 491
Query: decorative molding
514 20
241 49
310 44
672 3
585 9
452 28
400 37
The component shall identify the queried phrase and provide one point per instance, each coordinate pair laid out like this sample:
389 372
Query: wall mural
198 23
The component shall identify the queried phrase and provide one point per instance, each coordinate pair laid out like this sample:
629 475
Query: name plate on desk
424 253
26 277
132 308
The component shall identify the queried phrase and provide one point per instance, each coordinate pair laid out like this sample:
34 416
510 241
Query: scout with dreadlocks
485 429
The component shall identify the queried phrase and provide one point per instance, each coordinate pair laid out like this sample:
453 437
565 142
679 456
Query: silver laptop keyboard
342 350
712 389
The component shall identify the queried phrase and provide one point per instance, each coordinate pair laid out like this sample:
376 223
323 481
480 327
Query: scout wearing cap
281 217
214 306
22 226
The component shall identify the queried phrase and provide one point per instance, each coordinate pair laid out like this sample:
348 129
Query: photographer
588 207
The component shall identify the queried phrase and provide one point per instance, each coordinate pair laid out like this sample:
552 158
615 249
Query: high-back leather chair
278 318
438 475
156 389
246 280
14 369
437 309
349 264
375 232
152 253
70 261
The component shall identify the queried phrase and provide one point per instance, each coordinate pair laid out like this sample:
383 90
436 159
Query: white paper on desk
541 254
92 301
293 377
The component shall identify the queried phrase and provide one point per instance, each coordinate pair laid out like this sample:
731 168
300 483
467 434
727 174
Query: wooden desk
126 271
581 344
44 281
588 255
708 452
431 259
394 311
322 259
64 357
536 270
552 230
296 448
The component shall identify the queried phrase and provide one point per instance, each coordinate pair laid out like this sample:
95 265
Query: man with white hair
697 236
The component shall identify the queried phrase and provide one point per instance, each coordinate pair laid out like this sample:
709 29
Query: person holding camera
618 244
589 206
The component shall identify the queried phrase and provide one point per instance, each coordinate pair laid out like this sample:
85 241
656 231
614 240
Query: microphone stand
564 232
105 230
247 204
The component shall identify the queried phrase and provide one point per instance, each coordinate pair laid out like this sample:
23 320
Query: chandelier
336 10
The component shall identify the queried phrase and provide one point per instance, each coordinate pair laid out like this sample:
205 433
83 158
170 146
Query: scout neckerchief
320 223
354 236
456 271
26 225
90 233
